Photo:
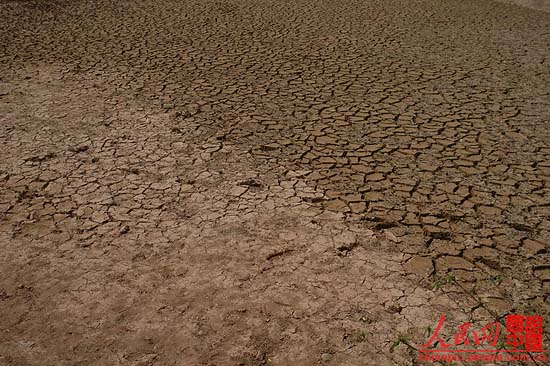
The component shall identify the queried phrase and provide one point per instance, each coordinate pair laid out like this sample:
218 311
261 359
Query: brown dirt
268 182
535 4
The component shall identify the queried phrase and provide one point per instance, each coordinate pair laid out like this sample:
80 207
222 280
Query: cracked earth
268 182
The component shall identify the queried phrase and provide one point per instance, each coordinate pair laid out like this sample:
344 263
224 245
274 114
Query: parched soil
263 182
535 4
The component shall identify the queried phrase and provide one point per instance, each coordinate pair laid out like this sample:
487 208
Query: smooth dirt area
535 4
263 182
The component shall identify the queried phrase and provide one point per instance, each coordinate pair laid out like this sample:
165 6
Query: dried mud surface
268 182
535 4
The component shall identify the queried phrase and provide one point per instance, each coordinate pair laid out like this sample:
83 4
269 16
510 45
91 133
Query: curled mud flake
251 183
